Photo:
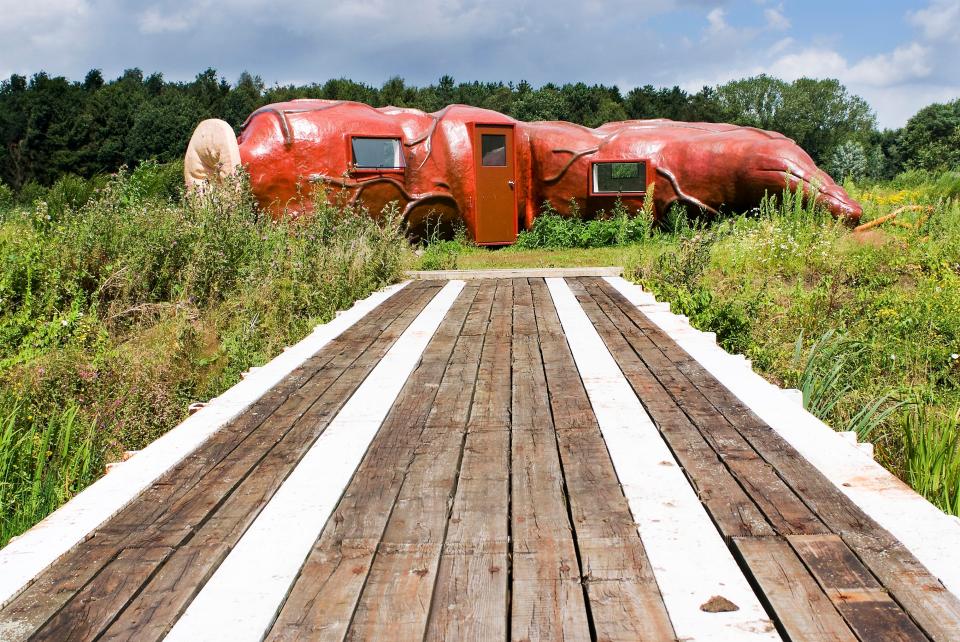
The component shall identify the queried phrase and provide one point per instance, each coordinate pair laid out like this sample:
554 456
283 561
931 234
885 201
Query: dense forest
52 126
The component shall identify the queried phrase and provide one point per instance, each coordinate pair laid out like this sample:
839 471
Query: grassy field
123 302
867 325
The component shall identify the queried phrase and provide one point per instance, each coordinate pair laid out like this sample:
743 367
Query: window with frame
493 150
377 153
620 177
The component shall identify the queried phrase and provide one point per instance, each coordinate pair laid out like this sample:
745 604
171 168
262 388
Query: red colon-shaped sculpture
492 172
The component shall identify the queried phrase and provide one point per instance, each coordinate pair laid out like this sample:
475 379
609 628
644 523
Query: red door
496 176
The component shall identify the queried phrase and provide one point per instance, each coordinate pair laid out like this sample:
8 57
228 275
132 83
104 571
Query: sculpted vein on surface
289 149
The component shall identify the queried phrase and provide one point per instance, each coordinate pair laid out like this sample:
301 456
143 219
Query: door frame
474 141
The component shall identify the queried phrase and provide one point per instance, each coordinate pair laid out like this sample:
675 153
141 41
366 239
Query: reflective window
616 178
377 153
493 150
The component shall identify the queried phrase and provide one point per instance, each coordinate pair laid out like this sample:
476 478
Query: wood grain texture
855 592
929 604
547 598
622 593
316 607
676 402
236 491
488 505
801 608
396 599
471 595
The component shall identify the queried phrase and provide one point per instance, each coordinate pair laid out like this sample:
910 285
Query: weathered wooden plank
862 601
395 602
105 595
324 597
930 605
681 411
547 600
470 599
623 596
242 597
691 562
800 607
152 518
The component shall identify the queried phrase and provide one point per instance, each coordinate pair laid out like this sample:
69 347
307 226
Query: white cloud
638 41
904 64
939 21
907 63
717 22
780 46
814 62
153 21
35 14
776 20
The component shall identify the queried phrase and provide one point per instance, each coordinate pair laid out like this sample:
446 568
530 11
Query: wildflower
955 356
64 322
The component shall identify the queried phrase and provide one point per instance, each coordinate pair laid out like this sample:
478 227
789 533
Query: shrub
6 197
31 193
620 227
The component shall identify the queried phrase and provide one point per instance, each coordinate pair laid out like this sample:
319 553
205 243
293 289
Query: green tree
818 114
544 104
245 97
162 128
849 160
931 138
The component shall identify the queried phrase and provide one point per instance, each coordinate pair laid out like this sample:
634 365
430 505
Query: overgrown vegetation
866 325
122 301
619 227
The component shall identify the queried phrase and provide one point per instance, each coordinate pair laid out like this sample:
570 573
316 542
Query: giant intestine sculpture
492 172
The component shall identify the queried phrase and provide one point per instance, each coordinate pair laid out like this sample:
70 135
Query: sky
899 55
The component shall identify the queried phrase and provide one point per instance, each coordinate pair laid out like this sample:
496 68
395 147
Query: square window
377 153
493 150
620 178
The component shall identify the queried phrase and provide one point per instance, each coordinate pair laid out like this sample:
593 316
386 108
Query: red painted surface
301 144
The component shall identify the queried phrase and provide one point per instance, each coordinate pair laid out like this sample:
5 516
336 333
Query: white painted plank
242 598
931 535
689 558
27 556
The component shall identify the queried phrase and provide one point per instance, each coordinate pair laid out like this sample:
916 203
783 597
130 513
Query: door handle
511 184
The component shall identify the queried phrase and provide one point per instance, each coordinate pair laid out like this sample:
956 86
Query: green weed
932 451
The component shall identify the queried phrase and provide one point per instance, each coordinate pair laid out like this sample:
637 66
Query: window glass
493 150
377 153
614 178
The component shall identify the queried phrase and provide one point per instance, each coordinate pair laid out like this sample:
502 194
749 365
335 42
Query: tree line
51 126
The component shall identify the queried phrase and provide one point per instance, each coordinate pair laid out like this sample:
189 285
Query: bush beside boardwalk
122 301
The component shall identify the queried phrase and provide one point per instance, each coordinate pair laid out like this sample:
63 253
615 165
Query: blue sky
900 56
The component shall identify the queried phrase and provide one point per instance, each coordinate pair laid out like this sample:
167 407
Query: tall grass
830 367
124 300
933 457
43 462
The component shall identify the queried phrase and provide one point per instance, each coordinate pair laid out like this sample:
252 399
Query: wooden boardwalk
525 459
